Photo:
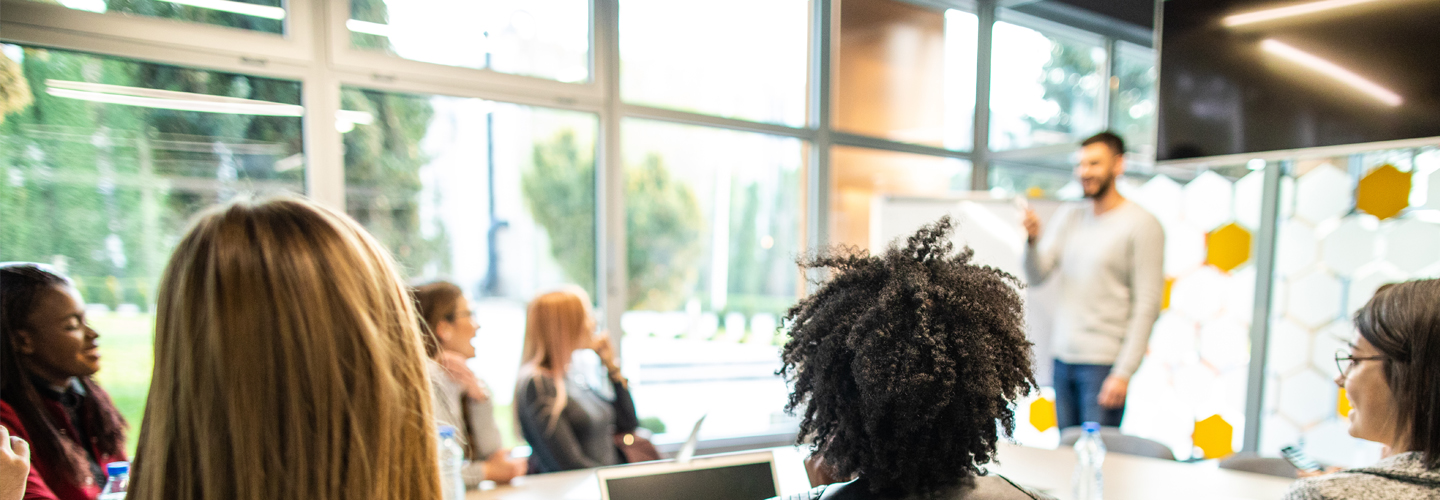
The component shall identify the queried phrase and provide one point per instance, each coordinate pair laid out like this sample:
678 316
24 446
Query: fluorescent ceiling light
1331 70
248 9
368 28
168 99
1260 16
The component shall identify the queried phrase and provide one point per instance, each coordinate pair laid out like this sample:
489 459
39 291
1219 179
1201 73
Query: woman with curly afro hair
905 365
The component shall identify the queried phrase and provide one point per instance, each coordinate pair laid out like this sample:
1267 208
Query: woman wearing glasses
1390 374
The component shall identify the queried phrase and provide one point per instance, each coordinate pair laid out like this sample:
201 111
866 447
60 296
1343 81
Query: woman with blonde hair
288 364
569 424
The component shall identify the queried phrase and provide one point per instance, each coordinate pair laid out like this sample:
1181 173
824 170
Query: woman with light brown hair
569 424
288 364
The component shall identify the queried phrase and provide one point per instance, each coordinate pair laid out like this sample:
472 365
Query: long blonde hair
288 364
556 324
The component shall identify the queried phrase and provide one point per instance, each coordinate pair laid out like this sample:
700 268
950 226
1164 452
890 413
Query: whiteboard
990 225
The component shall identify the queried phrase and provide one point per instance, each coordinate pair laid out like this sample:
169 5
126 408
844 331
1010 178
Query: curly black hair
906 363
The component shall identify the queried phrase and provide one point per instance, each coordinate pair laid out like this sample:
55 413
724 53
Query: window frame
316 51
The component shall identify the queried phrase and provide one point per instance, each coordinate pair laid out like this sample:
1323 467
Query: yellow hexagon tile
1227 247
1165 293
1042 414
1383 192
1215 437
1342 404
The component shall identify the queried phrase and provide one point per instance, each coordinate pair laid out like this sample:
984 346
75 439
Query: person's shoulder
996 487
1345 484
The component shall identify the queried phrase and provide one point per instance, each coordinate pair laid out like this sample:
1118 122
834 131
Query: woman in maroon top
48 354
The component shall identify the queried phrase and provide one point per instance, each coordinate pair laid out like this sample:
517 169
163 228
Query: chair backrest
1120 443
1250 462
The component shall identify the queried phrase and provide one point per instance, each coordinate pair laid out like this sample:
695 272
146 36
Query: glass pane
896 62
1032 182
863 178
1348 225
474 192
103 162
706 67
1044 89
266 16
1132 113
540 38
713 225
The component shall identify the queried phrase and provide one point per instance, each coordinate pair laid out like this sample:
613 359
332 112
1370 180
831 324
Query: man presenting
1107 253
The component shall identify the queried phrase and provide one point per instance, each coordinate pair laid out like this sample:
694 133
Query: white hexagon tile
1278 433
1351 244
1201 294
1173 340
1368 279
1411 244
1161 196
1334 337
1314 298
1225 344
1306 398
1240 297
1184 249
1295 247
1248 193
1289 347
1207 201
1323 193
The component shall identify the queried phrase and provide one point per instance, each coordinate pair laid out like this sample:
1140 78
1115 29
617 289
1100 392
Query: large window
546 39
712 219
103 161
1132 101
906 73
498 198
672 158
266 16
709 67
1045 88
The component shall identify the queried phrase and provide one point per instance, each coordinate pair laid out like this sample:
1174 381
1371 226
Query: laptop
740 476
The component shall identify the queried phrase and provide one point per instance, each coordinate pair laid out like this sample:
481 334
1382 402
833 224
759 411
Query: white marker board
992 227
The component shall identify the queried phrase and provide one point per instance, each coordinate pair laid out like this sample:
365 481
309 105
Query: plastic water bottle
1090 455
118 482
452 458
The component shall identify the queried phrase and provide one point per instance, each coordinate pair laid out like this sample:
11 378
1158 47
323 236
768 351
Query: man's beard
1104 189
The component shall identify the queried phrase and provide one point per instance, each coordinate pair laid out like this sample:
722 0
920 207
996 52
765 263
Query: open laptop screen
753 481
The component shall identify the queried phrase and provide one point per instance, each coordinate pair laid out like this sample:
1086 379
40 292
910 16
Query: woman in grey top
461 399
1391 373
906 365
568 425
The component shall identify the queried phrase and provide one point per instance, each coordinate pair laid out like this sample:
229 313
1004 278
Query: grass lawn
127 358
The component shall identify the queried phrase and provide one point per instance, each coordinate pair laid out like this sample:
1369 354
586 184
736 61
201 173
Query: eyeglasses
1344 360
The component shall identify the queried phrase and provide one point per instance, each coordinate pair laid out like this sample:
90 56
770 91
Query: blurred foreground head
288 364
905 363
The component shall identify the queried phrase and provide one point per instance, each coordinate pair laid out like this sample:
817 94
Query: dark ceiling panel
1137 12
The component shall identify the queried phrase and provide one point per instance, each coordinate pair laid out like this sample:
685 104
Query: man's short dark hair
905 363
1108 138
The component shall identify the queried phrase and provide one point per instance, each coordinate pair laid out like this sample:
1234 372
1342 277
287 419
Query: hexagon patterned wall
1340 238
1196 368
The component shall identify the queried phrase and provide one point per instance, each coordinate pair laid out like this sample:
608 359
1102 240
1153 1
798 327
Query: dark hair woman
47 396
1391 373
905 365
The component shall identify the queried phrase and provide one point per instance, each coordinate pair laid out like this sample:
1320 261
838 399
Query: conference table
1126 478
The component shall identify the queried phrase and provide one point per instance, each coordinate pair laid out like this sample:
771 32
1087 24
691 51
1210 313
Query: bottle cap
1091 427
116 468
447 431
